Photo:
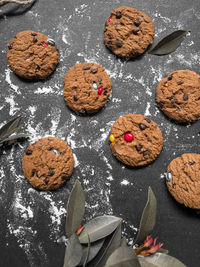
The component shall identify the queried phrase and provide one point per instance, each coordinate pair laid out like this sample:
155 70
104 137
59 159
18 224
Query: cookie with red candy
128 32
32 55
87 88
135 140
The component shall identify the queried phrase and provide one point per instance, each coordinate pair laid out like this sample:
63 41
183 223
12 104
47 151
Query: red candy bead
100 90
44 44
109 19
128 137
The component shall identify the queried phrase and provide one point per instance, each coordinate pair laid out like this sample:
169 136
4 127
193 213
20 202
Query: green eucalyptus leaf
148 219
113 243
94 249
75 209
99 228
10 127
123 257
169 44
73 252
88 253
160 260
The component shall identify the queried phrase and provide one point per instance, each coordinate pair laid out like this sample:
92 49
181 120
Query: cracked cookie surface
183 179
32 55
128 32
136 140
48 163
87 87
178 95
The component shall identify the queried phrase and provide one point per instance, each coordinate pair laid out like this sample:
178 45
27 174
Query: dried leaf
73 252
94 249
88 252
113 243
123 242
162 250
10 127
148 219
160 260
123 257
19 2
75 209
144 263
11 139
170 43
99 228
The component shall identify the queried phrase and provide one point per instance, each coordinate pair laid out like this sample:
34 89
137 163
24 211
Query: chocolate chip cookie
32 55
87 87
136 140
128 32
178 95
48 163
183 180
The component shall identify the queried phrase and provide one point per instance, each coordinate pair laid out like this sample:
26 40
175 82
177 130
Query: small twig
27 2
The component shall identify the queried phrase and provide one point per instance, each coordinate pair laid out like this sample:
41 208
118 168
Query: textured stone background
32 222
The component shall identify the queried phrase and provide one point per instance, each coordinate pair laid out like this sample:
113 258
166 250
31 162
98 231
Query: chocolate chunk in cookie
183 179
48 163
87 87
136 140
178 95
132 31
28 52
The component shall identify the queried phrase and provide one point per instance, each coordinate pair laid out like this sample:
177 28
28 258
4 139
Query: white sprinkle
32 109
125 182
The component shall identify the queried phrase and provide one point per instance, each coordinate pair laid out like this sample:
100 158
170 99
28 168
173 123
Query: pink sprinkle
44 44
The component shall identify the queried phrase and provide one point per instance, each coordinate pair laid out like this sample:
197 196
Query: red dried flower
149 247
80 229
148 241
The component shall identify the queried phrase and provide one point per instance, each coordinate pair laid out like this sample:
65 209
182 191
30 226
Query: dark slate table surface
32 222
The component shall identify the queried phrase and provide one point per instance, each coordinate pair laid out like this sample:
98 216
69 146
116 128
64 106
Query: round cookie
32 55
128 32
183 180
178 95
48 163
136 140
87 87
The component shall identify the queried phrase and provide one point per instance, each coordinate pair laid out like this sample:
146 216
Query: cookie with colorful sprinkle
183 179
178 95
48 163
128 32
136 140
87 88
32 55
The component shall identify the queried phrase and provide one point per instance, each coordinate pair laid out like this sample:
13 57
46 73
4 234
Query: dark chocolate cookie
128 32
32 55
136 140
178 95
183 179
48 163
87 87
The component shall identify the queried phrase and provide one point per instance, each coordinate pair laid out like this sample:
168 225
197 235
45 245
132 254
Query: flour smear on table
23 205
